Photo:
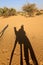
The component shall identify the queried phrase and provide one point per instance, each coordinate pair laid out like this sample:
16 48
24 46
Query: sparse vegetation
6 12
39 12
30 9
12 12
27 10
1 11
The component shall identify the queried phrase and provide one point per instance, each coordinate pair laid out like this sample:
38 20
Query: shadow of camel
21 38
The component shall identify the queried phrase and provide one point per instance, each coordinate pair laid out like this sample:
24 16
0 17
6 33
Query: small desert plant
30 9
12 11
6 12
39 12
20 13
1 11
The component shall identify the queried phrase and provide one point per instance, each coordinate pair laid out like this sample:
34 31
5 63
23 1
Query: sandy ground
33 27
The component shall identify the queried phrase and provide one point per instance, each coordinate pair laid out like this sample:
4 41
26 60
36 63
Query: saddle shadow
21 38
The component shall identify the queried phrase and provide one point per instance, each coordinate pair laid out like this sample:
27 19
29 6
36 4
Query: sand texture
33 27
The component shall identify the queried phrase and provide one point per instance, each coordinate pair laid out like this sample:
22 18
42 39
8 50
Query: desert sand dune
33 27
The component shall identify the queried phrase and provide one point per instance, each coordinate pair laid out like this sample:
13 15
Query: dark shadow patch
21 38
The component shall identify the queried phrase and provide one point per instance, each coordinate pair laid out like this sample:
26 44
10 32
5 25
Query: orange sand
34 31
